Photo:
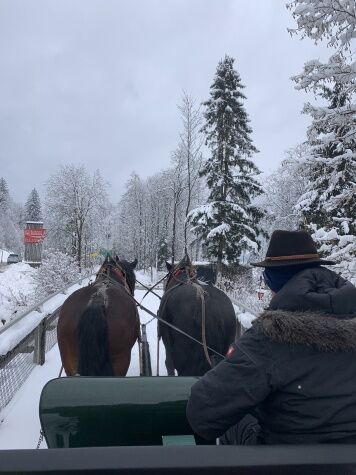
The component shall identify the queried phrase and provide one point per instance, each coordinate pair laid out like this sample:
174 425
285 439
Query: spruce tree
33 207
229 222
4 194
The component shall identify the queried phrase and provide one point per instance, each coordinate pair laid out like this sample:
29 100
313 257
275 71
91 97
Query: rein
150 289
164 321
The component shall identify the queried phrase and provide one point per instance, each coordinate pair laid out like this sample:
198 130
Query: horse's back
186 300
205 310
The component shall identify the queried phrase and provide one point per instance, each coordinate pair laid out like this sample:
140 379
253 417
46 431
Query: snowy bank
13 335
16 290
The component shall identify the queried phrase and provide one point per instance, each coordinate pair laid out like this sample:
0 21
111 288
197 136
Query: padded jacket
294 370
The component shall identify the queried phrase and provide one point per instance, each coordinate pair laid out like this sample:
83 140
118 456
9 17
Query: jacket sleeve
232 389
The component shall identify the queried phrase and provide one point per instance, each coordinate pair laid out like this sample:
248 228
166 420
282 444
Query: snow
246 319
19 280
222 229
16 289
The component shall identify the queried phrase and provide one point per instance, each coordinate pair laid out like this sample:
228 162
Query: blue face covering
276 277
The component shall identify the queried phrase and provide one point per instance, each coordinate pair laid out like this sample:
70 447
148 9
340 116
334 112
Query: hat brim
293 262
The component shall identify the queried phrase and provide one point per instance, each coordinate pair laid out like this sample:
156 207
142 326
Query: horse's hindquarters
97 328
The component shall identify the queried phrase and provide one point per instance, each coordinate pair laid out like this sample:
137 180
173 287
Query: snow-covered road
19 421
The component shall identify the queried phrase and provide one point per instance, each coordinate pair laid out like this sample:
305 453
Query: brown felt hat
290 248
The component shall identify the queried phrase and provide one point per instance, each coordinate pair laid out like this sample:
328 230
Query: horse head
184 271
120 270
128 268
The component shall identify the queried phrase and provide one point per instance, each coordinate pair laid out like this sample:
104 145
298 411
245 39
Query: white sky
98 82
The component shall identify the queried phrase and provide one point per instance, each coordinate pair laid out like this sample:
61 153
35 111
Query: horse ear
117 258
188 262
169 266
133 264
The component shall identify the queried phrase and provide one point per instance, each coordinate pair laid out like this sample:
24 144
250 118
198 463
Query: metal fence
17 364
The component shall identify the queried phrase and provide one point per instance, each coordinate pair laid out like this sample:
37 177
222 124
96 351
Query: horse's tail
93 342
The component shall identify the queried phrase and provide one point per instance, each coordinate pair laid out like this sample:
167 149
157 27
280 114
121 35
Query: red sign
34 236
230 351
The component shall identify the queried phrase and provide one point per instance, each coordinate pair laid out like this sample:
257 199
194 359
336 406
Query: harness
190 272
157 317
118 271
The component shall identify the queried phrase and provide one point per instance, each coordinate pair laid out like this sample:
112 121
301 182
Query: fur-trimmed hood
323 332
315 308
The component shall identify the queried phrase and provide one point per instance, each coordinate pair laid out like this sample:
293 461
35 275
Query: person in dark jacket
291 378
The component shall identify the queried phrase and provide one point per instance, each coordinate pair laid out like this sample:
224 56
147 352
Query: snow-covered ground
19 421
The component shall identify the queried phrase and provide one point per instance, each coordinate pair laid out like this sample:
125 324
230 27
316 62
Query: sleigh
136 411
138 426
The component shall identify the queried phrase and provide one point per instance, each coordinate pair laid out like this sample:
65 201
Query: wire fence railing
17 364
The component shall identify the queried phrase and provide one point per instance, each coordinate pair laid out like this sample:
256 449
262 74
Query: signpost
34 235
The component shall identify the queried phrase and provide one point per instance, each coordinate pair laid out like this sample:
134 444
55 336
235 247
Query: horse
202 311
99 324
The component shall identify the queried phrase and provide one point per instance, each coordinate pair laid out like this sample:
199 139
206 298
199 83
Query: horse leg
121 363
169 354
169 362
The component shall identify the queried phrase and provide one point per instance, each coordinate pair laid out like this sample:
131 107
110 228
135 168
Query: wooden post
39 354
146 357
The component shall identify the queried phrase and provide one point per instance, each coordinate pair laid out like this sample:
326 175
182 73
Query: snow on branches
332 19
57 270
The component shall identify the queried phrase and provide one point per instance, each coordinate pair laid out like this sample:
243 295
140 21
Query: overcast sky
98 82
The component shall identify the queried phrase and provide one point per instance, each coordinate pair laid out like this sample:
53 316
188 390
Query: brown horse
99 324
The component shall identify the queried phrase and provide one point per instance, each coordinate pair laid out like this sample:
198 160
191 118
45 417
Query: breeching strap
200 293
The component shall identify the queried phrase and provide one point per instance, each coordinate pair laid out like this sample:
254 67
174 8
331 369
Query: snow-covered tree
56 272
132 228
283 189
4 194
76 204
152 213
190 152
229 222
33 207
329 205
11 220
334 20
